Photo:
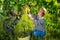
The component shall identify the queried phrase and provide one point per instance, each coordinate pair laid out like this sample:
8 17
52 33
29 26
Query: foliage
52 17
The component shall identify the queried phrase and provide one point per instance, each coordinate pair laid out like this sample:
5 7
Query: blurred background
10 8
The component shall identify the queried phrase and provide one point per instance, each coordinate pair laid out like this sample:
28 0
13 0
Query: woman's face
41 12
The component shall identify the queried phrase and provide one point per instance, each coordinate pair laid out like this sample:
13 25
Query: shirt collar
41 18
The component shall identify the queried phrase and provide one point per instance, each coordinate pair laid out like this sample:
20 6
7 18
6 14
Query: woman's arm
31 17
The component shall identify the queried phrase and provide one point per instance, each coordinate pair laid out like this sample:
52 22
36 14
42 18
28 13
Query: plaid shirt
39 23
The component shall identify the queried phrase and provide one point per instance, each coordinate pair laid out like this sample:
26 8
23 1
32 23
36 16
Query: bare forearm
32 19
30 15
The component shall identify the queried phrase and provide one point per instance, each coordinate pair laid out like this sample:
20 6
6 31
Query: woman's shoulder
34 16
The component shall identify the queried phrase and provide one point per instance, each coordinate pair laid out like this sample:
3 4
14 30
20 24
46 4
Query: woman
38 20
